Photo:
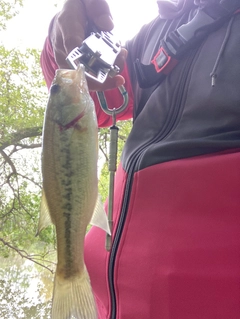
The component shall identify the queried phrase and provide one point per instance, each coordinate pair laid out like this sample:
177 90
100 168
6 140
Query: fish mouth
68 76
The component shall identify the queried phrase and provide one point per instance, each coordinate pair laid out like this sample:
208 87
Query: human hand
70 29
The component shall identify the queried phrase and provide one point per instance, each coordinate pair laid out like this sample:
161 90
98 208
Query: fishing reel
97 53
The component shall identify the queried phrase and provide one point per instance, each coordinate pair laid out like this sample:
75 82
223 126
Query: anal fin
99 217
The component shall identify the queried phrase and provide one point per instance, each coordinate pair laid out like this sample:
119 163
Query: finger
121 58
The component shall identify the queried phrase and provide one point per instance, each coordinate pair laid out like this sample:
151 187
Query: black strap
183 39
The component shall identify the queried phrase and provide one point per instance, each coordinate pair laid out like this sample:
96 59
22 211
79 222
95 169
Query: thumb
98 12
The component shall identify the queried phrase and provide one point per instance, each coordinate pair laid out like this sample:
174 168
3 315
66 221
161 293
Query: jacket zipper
136 159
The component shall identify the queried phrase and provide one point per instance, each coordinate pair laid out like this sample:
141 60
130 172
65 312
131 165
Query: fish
70 197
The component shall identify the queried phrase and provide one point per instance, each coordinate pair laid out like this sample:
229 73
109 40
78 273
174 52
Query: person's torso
176 242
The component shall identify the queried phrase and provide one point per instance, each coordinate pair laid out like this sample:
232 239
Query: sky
29 28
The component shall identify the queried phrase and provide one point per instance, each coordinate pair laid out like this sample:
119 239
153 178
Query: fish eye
55 88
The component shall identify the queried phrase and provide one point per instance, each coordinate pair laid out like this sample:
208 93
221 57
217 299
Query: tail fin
73 298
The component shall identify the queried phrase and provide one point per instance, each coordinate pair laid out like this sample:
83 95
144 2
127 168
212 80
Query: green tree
8 9
23 97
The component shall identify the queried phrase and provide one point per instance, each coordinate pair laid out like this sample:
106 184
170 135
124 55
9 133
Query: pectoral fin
99 217
44 219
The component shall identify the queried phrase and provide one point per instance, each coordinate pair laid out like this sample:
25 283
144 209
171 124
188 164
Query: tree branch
104 153
29 146
20 135
30 180
9 161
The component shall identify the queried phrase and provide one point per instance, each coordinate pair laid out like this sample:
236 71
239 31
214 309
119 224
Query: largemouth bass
70 189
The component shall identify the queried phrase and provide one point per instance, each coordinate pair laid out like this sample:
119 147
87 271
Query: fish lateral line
72 123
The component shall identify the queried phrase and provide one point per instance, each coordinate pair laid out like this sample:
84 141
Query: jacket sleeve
113 97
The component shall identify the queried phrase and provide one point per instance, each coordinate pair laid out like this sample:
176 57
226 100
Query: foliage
8 9
22 95
22 100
